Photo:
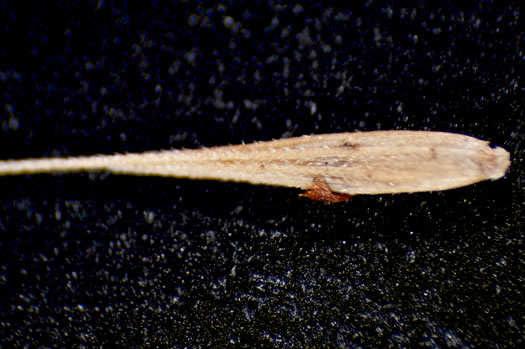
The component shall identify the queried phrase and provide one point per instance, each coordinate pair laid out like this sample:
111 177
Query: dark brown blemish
433 153
320 191
327 162
349 145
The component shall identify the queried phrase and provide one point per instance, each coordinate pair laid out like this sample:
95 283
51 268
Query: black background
97 260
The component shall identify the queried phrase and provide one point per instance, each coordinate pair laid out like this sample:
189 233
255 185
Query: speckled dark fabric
96 260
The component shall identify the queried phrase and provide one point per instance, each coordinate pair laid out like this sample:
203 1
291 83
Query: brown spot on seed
320 191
